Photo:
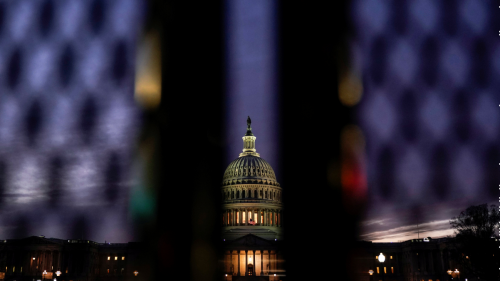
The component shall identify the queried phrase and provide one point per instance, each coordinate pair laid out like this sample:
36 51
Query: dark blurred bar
318 228
190 124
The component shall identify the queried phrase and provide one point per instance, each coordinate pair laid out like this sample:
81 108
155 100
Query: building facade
40 258
413 260
252 227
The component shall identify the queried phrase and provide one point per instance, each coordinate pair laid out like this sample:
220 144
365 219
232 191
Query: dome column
246 262
239 262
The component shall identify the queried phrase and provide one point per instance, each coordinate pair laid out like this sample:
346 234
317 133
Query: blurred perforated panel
68 119
430 109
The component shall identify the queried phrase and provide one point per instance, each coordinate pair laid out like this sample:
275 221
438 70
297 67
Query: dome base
265 232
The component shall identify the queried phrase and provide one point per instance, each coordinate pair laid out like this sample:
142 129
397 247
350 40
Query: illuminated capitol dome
252 215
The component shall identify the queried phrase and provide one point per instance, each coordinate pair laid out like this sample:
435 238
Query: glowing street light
136 272
58 273
370 271
381 258
449 271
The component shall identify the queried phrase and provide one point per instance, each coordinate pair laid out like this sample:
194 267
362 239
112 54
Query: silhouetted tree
477 251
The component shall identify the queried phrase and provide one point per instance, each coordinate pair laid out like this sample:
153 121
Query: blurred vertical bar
319 227
144 196
189 122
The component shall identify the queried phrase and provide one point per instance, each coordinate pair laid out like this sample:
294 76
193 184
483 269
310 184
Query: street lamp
136 272
370 271
449 271
43 274
58 273
381 258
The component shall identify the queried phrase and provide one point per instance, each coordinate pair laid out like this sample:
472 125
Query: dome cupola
249 168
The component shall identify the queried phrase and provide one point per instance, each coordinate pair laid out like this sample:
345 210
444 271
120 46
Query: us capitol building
252 217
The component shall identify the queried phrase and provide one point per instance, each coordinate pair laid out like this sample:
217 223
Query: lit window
378 270
385 269
376 257
392 270
66 270
109 258
108 270
243 219
13 269
237 217
116 258
123 258
391 257
21 269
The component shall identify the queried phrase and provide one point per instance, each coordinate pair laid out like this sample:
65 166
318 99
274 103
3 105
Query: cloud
439 228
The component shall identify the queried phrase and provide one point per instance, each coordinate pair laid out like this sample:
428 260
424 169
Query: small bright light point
275 274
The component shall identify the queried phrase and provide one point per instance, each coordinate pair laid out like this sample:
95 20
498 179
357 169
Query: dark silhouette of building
39 258
413 260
